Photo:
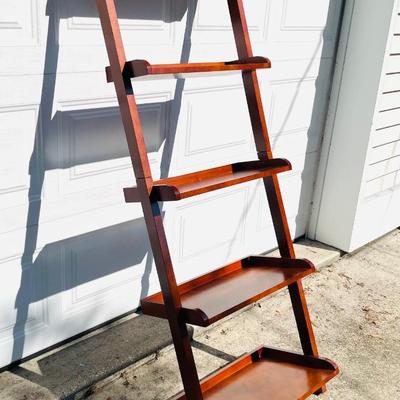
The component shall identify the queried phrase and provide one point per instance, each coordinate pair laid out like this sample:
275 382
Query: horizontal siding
390 101
391 83
386 135
384 152
396 28
383 171
393 65
386 182
395 47
388 118
382 168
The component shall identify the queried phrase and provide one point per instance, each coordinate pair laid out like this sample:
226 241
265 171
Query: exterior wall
358 192
72 254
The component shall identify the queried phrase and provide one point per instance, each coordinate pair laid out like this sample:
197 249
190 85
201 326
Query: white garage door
72 253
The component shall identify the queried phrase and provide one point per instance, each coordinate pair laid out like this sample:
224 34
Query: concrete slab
132 358
355 307
61 373
74 368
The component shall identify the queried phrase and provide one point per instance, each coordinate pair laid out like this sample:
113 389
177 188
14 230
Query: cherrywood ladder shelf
266 373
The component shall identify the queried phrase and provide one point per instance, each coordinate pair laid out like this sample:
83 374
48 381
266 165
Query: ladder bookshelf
266 373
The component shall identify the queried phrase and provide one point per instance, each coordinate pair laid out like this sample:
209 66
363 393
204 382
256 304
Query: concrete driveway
355 307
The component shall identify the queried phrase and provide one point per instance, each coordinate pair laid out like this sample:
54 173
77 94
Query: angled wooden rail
266 373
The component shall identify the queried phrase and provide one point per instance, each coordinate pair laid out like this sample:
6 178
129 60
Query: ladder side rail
260 129
124 91
151 209
263 146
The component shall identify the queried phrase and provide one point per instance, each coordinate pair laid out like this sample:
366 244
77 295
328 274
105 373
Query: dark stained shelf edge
219 293
267 373
142 69
193 184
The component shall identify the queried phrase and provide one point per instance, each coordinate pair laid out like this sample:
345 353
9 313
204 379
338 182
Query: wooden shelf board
193 184
219 293
268 374
142 69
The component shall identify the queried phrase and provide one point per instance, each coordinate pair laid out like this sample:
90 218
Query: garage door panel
53 226
19 23
315 19
51 34
23 29
212 22
75 25
73 285
93 281
147 22
144 28
296 191
214 126
289 22
85 165
18 125
300 143
14 277
24 310
296 196
295 70
91 274
289 96
206 233
294 94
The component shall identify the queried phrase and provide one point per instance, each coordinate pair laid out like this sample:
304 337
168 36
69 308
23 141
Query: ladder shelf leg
178 328
272 188
151 210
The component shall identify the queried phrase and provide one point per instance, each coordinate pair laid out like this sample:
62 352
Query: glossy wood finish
151 210
219 293
268 374
272 187
193 184
142 69
259 125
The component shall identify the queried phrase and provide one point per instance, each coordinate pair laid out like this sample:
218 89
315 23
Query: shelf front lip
271 354
199 317
168 189
137 69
